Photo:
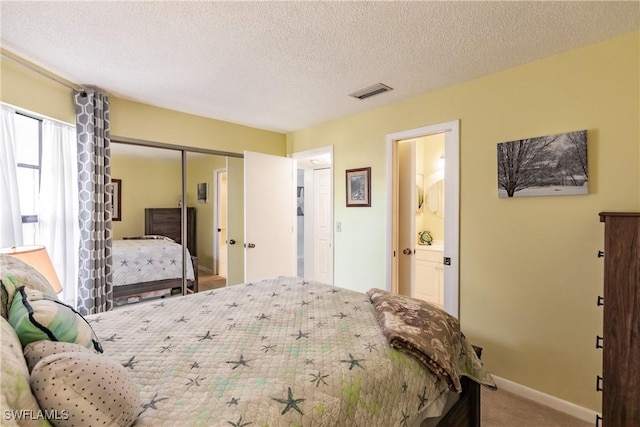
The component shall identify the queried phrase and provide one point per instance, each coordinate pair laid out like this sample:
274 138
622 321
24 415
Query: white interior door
323 228
235 221
406 216
269 206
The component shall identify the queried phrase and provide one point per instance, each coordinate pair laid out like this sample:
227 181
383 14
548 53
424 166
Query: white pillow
38 350
91 389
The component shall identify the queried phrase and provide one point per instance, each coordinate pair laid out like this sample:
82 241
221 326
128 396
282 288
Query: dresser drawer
168 222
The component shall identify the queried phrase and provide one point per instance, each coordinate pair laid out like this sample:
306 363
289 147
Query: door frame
451 202
217 173
305 155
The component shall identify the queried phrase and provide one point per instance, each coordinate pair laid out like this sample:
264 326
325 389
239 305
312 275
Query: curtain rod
19 62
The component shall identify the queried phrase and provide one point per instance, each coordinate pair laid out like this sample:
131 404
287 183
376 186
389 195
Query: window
28 159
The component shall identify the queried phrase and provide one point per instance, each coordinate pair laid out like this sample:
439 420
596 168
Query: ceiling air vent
370 91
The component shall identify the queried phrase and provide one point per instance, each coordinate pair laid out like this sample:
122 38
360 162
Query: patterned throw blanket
430 335
280 352
146 259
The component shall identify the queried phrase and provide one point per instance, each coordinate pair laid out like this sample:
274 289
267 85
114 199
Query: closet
158 179
620 343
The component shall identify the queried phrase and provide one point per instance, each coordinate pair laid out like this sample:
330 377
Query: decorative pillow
15 273
431 335
15 393
38 350
91 389
36 316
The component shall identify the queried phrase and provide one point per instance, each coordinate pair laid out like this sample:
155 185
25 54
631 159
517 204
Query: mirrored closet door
147 234
214 191
148 198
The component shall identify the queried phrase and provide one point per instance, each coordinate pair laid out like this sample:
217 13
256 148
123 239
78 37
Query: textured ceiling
285 66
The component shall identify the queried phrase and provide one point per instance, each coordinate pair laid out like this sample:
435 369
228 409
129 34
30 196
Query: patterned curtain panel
94 175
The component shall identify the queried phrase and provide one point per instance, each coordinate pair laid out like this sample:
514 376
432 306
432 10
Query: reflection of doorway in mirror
221 226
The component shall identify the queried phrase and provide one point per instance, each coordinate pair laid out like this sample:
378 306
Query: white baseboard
545 399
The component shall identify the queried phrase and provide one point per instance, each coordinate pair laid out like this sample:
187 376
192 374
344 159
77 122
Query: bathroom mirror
435 198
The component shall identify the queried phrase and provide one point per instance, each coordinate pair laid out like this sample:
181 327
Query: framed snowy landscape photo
552 165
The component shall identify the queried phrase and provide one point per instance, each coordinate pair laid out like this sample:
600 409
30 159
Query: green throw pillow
36 316
15 273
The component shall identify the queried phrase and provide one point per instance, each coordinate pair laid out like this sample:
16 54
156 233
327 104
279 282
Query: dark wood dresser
166 222
621 328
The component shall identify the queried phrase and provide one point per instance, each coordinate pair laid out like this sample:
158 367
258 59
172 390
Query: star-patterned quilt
279 352
147 260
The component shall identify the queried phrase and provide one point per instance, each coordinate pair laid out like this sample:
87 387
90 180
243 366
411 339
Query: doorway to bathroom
424 197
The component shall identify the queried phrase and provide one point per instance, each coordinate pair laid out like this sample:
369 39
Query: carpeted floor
503 409
206 282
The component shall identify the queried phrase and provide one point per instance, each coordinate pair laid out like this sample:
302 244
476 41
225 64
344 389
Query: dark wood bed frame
166 222
466 411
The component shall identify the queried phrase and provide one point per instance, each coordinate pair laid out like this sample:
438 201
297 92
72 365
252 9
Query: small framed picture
116 201
358 187
202 192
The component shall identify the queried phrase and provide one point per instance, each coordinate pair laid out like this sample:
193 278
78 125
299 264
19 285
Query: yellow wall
31 91
135 120
529 275
200 169
146 183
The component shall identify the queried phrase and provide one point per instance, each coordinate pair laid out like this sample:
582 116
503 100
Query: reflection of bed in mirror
153 262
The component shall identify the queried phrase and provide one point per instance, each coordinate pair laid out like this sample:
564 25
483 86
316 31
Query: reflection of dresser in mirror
167 222
429 274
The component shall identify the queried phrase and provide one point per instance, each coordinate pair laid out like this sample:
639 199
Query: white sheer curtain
10 218
58 216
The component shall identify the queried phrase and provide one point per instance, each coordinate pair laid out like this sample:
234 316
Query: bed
149 263
136 262
277 352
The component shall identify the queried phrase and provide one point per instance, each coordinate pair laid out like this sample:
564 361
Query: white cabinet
429 275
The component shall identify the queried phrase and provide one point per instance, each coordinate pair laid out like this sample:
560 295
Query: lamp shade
38 258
